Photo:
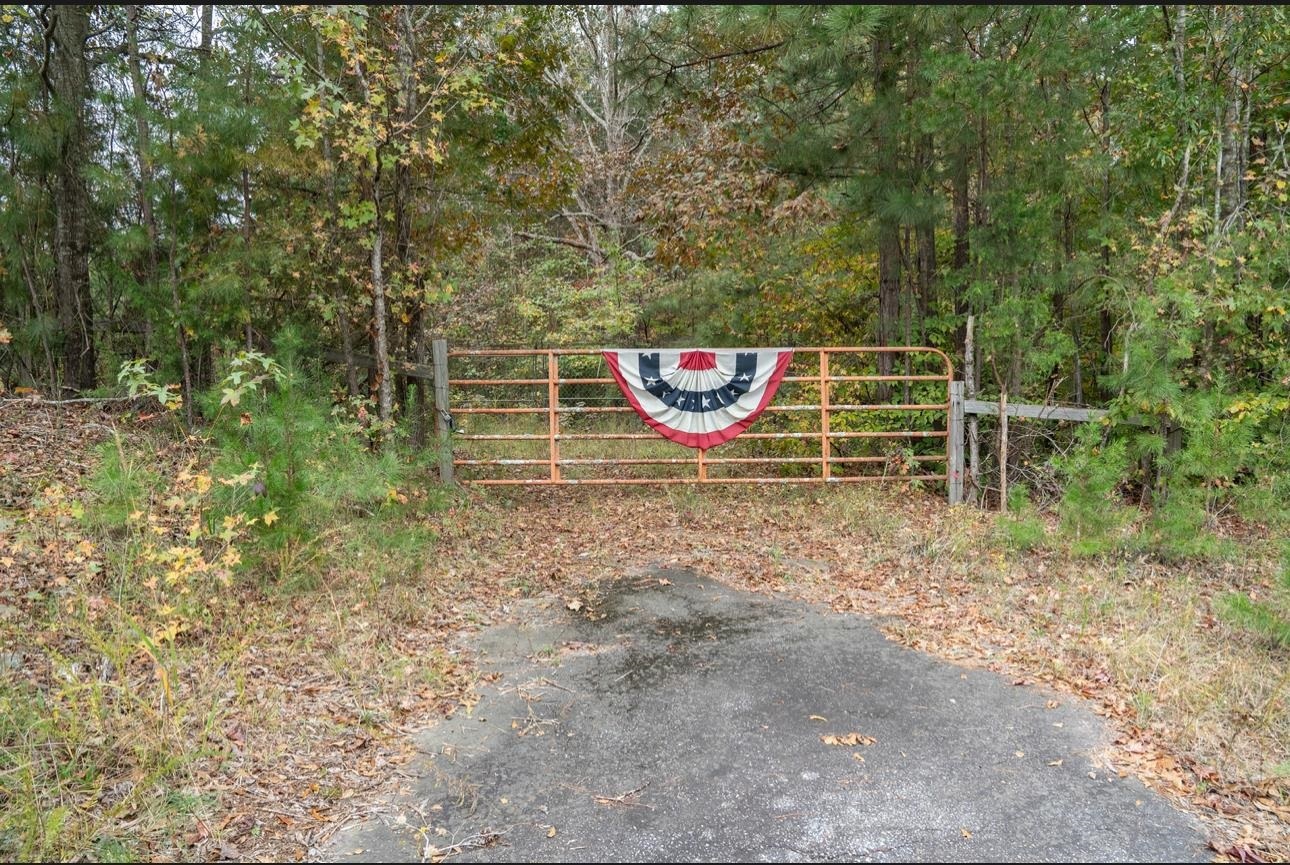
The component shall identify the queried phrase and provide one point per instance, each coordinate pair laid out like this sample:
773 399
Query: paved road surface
701 699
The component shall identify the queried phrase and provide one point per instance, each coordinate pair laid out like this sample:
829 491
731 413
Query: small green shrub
304 472
1091 516
1178 529
122 484
1269 618
1022 528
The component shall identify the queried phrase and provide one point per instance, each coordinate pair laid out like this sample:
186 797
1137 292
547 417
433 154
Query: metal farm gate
555 416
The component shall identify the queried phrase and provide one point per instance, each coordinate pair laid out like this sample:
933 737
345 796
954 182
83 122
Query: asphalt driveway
675 719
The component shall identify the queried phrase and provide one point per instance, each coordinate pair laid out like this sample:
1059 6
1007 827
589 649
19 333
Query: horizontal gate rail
527 401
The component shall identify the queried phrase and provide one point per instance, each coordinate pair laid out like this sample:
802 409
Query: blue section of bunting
698 401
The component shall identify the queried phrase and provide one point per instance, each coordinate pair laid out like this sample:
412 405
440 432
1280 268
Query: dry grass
291 703
258 730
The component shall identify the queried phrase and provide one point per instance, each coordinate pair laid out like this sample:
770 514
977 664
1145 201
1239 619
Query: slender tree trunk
333 239
143 140
1106 332
382 347
247 222
208 28
925 230
176 305
1003 449
1234 122
960 177
888 229
414 337
380 339
69 76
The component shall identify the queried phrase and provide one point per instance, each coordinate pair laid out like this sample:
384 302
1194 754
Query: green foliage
1268 617
1179 528
1023 529
1090 511
1105 196
287 462
137 379
123 484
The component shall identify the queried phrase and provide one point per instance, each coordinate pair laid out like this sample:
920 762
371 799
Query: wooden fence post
954 453
442 418
973 480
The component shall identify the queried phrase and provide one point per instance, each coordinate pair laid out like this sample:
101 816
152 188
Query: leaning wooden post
442 415
954 453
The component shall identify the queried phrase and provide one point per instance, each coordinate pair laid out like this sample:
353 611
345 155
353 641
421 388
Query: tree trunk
925 230
247 224
1232 156
69 77
176 304
888 229
333 239
143 142
960 176
382 347
414 342
208 28
1106 333
1003 450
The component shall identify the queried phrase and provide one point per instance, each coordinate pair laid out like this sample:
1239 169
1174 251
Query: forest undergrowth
197 662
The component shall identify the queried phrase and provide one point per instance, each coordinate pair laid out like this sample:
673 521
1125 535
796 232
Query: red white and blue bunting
699 398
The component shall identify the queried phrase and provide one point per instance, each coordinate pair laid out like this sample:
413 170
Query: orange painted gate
556 416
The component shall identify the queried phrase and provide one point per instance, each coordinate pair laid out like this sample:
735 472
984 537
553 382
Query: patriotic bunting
699 398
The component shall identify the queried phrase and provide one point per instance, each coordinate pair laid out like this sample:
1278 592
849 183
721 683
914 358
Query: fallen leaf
818 718
965 833
849 740
550 833
665 582
574 604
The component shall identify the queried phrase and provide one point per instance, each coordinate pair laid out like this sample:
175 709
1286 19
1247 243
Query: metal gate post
825 470
954 445
442 416
553 418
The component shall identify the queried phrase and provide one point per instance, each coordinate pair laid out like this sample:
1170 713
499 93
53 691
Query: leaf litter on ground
310 733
